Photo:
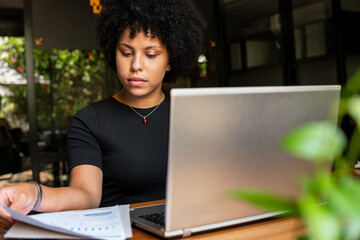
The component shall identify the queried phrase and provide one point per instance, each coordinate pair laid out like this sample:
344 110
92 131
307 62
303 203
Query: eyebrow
146 48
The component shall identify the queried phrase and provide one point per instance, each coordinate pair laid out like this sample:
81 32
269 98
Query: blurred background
50 65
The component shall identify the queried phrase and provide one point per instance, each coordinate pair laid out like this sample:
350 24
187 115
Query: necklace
144 117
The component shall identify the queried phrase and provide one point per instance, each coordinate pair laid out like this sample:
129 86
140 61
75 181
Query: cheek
121 68
122 76
158 72
157 67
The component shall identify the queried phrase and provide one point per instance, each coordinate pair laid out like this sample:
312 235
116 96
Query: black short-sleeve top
131 155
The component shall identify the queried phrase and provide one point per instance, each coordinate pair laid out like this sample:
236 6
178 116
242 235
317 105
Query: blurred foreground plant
330 203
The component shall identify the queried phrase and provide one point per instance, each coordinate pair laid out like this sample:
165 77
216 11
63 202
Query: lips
136 81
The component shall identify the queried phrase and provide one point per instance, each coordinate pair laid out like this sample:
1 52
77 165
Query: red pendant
144 121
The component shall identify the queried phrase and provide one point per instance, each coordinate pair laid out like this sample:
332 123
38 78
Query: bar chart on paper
99 223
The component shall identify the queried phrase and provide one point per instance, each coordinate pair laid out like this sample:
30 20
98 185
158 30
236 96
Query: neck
137 102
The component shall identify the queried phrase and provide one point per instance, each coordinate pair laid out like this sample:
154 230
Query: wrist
39 195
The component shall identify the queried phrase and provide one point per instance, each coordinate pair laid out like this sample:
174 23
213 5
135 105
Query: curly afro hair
177 23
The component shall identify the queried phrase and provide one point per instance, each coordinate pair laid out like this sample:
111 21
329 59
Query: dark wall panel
64 24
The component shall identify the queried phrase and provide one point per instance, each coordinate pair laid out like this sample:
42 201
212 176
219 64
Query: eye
126 54
151 55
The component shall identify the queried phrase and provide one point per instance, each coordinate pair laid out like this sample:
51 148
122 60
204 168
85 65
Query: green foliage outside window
76 78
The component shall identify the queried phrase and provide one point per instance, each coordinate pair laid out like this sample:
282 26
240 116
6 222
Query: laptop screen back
223 139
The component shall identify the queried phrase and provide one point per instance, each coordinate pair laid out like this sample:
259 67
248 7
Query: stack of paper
99 223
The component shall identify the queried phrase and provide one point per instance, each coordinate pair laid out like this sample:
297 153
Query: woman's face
141 64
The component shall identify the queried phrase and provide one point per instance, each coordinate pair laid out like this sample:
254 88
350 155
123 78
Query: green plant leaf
342 109
318 185
353 107
316 141
352 229
351 185
304 236
266 200
352 85
344 197
353 151
322 223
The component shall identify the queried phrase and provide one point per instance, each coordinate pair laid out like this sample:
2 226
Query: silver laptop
222 139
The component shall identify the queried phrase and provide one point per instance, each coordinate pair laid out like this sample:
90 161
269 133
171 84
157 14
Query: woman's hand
84 192
20 197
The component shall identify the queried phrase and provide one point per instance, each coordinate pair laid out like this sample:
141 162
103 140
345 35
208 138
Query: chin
139 93
142 92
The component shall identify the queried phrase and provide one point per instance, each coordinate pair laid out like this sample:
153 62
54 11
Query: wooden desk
276 229
273 229
270 229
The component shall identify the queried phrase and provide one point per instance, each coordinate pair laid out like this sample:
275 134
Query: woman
117 148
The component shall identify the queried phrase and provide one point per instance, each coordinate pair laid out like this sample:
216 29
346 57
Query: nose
137 63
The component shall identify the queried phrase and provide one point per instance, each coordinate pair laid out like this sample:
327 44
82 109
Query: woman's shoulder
106 105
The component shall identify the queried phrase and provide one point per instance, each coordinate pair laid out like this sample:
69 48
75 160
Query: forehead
141 37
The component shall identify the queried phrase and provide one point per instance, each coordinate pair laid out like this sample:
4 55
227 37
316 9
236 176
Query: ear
168 68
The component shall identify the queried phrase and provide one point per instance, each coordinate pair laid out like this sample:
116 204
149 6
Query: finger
3 200
6 220
5 223
20 203
3 212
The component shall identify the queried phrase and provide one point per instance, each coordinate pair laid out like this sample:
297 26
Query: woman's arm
84 192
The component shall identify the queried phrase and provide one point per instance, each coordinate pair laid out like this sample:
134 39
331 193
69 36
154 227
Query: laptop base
149 226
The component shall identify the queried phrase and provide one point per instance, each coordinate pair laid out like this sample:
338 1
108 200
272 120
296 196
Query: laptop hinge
187 232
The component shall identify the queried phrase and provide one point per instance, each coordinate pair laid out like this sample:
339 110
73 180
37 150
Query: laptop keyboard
157 218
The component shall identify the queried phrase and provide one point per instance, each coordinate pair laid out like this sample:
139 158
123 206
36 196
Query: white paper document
98 223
